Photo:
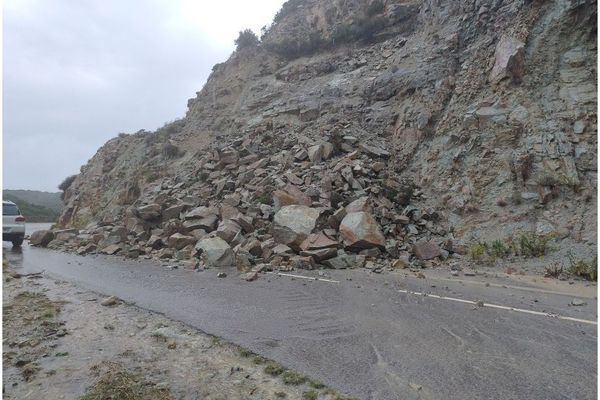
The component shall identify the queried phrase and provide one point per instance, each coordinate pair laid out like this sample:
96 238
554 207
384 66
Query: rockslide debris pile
362 133
332 203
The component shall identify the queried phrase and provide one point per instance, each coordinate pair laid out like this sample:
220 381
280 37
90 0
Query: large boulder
173 212
112 249
292 224
201 212
318 241
151 212
509 60
41 238
426 250
290 195
179 241
360 231
215 252
208 223
229 231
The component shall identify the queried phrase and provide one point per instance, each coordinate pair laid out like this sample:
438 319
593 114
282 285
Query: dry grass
117 383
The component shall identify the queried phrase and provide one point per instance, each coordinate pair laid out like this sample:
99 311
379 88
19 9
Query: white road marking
304 277
525 288
521 310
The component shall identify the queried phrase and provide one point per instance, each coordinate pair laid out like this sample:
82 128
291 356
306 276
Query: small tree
66 184
246 38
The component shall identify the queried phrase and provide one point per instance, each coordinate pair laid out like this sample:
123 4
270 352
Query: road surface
373 336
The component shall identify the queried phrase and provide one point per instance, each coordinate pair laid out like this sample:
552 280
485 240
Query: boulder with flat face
173 212
41 238
317 241
509 60
426 250
178 241
292 224
360 231
229 231
215 252
151 212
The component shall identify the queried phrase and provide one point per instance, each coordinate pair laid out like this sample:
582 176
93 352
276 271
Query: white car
13 224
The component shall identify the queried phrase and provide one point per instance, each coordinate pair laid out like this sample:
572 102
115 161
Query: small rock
578 302
110 301
249 276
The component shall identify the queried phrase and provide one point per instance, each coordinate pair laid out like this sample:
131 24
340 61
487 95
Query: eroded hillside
395 132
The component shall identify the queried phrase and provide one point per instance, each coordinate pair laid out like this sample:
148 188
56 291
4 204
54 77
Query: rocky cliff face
393 130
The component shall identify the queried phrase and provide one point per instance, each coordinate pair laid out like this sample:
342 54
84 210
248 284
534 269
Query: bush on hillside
246 38
66 184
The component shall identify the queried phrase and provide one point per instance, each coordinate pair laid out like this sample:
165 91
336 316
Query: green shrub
315 384
259 360
274 369
583 268
246 38
293 378
498 250
245 352
478 251
310 395
533 245
169 151
65 185
527 245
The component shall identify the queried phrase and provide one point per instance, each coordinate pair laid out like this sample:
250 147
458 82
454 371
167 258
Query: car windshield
10 209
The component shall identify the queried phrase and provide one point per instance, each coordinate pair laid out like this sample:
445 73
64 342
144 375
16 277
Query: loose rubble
455 123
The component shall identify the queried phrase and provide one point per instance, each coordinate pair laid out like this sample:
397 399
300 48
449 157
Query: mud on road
63 343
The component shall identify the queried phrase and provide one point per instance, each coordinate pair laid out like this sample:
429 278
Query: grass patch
245 352
274 369
583 268
310 395
315 384
258 360
293 378
498 249
526 245
118 383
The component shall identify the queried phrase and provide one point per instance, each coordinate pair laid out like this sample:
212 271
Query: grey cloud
76 73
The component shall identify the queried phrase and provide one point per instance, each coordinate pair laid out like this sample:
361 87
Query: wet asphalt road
363 335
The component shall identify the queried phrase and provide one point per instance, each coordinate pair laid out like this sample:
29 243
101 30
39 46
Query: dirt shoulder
60 342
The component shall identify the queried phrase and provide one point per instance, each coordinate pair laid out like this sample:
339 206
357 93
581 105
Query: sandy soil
63 343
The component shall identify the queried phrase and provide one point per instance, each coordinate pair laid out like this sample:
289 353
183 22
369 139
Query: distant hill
36 206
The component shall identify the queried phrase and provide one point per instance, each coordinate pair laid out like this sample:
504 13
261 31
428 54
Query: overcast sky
78 72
